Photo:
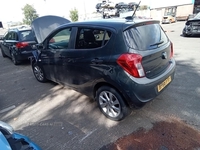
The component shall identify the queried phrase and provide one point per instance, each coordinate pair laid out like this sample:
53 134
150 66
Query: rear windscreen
145 37
27 35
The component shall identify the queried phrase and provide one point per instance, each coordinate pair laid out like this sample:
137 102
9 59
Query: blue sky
11 10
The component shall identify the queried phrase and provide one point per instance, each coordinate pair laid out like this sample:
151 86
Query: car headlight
187 23
187 26
7 127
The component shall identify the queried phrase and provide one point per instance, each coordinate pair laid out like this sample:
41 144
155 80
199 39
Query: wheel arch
100 84
41 70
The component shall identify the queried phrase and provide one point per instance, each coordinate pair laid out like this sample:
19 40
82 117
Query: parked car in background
18 44
192 26
132 5
121 5
107 4
110 60
10 140
168 19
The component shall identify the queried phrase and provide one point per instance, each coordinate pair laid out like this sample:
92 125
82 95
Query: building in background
179 9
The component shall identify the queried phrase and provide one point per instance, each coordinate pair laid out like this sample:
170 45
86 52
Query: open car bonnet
43 26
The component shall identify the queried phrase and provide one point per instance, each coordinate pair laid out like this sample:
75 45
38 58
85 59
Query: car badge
164 55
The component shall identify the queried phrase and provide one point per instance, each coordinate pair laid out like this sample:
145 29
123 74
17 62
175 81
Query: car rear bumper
24 55
191 31
142 90
165 21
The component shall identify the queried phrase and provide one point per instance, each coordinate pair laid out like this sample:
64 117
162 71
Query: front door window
60 40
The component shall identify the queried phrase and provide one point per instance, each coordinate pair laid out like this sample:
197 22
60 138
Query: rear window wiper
158 43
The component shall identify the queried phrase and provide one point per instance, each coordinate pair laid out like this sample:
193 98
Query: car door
51 58
89 60
4 45
10 42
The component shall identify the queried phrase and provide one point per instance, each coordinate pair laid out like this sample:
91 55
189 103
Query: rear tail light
172 51
21 44
132 63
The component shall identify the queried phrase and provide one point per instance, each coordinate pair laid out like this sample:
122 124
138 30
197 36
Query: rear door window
89 38
145 37
11 36
7 36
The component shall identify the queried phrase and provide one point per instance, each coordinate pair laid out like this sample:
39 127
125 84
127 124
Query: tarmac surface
174 135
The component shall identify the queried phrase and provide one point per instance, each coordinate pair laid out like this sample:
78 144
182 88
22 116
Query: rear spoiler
142 23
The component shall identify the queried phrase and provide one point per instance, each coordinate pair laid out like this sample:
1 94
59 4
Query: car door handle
96 61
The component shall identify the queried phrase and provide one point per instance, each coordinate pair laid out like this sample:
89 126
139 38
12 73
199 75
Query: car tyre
39 73
185 35
111 103
13 58
3 54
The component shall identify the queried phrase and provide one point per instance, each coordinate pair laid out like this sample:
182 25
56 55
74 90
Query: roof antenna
131 17
136 9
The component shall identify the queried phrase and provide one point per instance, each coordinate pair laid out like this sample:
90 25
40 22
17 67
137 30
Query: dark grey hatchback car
18 44
120 63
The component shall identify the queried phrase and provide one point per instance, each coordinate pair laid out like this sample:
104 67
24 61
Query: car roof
45 25
20 29
111 23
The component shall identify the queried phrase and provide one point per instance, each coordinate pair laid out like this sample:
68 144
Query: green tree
74 14
29 14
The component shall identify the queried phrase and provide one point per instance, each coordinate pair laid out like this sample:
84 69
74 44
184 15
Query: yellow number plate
164 83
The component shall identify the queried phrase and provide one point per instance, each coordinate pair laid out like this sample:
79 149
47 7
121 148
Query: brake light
172 50
132 63
21 44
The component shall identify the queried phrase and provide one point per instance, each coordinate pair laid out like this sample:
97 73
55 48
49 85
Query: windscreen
197 16
145 37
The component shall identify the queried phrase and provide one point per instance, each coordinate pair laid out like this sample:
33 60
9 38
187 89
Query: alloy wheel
13 58
109 104
38 73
